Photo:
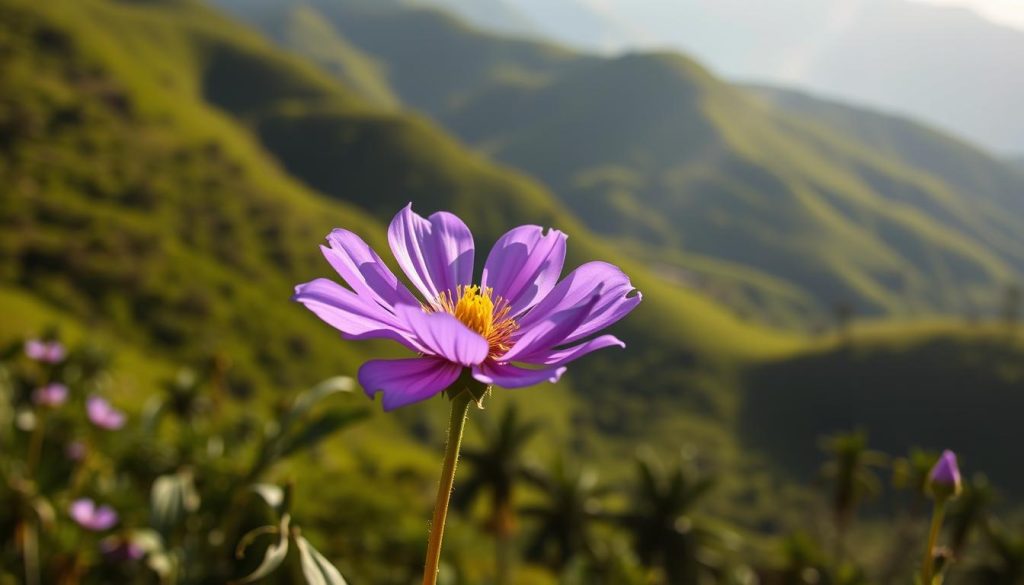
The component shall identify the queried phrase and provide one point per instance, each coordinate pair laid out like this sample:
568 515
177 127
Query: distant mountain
501 16
945 65
652 150
959 163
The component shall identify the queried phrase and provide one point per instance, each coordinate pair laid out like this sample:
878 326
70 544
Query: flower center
478 310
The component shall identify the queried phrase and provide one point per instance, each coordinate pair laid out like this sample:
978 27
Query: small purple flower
47 352
75 451
118 549
944 477
103 415
51 395
519 314
90 517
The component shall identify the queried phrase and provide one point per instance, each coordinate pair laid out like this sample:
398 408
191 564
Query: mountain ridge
902 240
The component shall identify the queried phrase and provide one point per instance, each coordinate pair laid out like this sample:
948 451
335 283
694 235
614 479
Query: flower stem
928 566
456 425
35 446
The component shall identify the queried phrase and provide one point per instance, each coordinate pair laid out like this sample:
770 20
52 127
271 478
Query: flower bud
944 479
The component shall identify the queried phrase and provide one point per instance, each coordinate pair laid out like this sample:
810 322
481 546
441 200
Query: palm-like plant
661 520
852 479
496 467
1007 567
571 502
970 511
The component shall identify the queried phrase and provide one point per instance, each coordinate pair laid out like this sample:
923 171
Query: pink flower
47 352
103 415
85 512
51 395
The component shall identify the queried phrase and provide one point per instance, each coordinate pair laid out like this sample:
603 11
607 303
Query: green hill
651 148
937 386
968 169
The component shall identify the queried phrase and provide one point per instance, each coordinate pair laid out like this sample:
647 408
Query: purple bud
48 352
51 395
90 517
103 415
75 451
944 478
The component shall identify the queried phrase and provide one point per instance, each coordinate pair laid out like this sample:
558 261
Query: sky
1009 12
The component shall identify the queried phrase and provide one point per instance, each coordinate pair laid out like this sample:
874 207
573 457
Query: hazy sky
1009 12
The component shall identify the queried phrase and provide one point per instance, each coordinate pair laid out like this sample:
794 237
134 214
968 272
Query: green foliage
179 485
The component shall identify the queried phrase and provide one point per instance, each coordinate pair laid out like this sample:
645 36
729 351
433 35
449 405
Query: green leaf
308 399
171 498
319 429
274 555
315 568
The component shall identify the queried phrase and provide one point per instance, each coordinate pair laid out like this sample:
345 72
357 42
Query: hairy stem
456 426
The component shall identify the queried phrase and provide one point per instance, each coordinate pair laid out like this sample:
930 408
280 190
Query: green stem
928 566
456 425
30 552
35 446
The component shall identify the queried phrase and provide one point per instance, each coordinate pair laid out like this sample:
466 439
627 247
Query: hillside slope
651 148
145 146
935 385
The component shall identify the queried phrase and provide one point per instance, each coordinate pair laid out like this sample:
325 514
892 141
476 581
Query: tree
852 479
665 532
571 502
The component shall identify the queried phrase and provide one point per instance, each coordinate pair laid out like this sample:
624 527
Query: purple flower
103 415
51 395
519 326
48 352
118 549
75 451
944 478
88 516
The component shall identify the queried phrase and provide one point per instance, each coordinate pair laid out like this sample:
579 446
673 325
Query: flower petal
407 380
606 281
551 331
509 376
349 313
436 253
560 357
81 510
363 270
104 518
524 265
443 335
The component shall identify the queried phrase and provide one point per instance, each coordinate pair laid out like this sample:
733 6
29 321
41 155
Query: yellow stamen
488 316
